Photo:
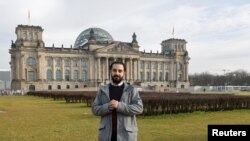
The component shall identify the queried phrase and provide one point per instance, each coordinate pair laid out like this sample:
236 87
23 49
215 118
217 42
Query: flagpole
173 32
28 17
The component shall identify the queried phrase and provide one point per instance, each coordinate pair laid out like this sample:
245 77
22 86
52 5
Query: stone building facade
35 66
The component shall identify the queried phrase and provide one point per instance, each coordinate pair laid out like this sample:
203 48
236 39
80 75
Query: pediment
118 48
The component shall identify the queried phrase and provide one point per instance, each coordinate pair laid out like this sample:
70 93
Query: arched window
49 75
76 75
84 75
58 75
67 75
31 61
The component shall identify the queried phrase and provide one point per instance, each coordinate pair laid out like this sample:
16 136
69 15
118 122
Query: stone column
80 60
21 69
39 62
53 69
172 72
130 68
13 68
107 68
164 71
71 76
103 67
144 69
138 69
17 65
151 71
99 68
158 74
127 71
186 72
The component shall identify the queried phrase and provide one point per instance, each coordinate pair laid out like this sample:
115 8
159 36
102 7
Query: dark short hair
117 62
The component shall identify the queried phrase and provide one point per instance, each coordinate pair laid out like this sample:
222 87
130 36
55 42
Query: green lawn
28 118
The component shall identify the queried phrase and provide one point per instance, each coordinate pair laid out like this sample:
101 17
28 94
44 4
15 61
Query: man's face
117 73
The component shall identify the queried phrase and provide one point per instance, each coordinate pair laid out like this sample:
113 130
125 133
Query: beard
117 79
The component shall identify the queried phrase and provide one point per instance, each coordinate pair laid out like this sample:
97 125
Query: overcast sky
217 31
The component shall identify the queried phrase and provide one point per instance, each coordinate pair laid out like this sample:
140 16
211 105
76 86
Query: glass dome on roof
100 35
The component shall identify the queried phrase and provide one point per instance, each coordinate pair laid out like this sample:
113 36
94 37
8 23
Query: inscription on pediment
120 49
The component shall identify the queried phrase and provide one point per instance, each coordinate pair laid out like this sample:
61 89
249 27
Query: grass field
28 118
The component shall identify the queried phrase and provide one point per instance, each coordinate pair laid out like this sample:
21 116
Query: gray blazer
129 105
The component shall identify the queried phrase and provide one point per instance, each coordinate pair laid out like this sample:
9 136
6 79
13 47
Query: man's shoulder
103 87
129 87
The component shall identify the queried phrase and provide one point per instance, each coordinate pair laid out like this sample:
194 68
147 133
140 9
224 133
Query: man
118 104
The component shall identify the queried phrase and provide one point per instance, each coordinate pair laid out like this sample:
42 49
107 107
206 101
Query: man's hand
113 104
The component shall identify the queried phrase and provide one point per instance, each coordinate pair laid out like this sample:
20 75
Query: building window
31 61
76 86
179 77
24 36
84 63
182 86
36 36
59 87
142 65
76 75
67 86
154 76
67 63
31 76
179 66
49 75
166 76
49 62
161 66
67 75
75 63
142 76
148 76
155 66
152 65
58 62
58 75
147 65
161 77
84 75
49 87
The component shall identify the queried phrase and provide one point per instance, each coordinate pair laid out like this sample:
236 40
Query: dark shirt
115 92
